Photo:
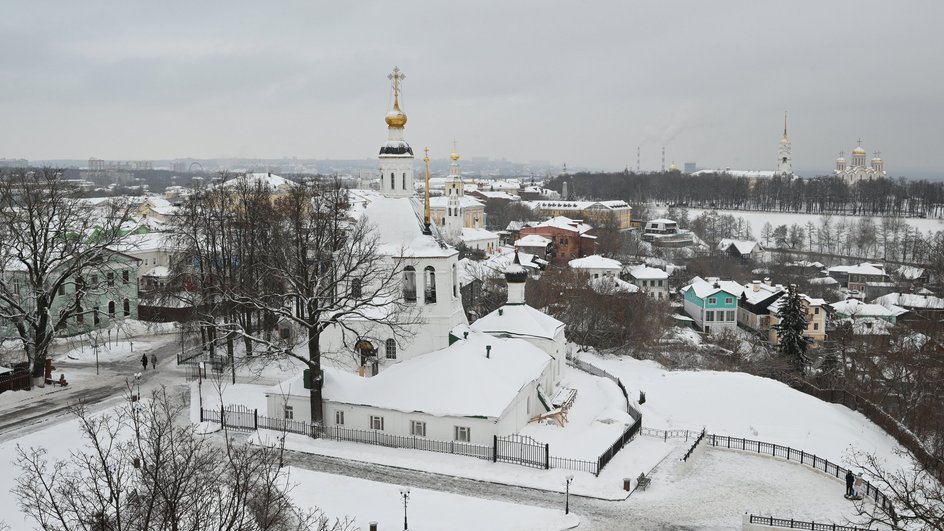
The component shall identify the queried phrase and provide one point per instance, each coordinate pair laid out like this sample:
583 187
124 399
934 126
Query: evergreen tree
791 330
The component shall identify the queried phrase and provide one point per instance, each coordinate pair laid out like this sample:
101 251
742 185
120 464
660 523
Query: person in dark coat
850 480
144 361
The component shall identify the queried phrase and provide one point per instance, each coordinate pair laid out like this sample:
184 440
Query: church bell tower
785 153
396 155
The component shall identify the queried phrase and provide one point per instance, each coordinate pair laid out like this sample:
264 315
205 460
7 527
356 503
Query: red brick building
571 238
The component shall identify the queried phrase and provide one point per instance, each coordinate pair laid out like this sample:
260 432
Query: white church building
856 169
447 380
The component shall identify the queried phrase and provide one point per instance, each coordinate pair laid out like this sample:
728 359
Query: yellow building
454 210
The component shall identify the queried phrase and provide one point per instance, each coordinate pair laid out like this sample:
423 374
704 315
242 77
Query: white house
596 266
480 239
654 282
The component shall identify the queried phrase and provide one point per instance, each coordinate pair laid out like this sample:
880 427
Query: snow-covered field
742 405
371 501
757 219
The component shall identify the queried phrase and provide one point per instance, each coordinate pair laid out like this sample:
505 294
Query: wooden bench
642 481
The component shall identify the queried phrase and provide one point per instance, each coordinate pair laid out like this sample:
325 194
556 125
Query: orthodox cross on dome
842 154
878 154
396 77
860 141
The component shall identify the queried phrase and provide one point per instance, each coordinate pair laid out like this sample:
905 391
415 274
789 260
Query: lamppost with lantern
405 492
569 478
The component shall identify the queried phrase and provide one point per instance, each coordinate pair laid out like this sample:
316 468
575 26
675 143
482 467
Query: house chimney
767 280
488 351
465 335
717 284
755 286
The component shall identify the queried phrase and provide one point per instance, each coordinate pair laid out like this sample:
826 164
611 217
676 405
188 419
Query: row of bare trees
819 195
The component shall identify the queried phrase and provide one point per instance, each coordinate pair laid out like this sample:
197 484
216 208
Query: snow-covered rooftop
458 380
647 273
267 180
910 300
742 246
705 287
857 308
910 272
532 240
823 281
864 268
563 222
471 234
595 261
399 230
519 320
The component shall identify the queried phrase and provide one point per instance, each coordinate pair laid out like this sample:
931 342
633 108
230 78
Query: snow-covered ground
742 405
371 501
757 219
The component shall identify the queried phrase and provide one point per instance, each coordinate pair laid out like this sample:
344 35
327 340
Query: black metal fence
521 450
233 417
790 523
792 454
578 465
691 450
665 435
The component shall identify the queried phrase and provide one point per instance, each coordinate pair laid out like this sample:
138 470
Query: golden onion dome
454 156
858 151
396 117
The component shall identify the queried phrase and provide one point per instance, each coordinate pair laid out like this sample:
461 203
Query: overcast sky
582 81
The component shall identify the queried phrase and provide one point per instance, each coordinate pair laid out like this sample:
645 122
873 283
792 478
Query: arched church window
404 180
430 293
455 282
111 308
392 183
409 284
391 348
126 307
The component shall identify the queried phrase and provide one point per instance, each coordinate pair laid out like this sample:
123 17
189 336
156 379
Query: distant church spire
785 153
785 137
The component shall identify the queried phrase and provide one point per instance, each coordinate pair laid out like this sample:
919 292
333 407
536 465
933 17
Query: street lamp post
405 492
570 477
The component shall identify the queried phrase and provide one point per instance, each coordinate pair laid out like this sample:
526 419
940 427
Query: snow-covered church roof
519 320
399 229
465 379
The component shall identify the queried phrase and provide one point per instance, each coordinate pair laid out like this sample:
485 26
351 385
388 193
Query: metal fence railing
790 523
799 456
691 450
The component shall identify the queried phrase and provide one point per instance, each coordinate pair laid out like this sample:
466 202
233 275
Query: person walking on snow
154 361
144 361
850 480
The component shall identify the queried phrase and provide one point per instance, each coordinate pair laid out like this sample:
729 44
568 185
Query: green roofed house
712 303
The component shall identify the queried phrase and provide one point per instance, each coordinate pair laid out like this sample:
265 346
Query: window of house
79 316
660 283
339 418
430 286
712 300
417 428
125 276
709 315
455 282
111 278
463 434
94 280
392 184
409 284
111 308
79 283
404 181
126 307
289 412
815 311
730 315
815 326
376 423
728 300
95 318
62 289
391 349
356 288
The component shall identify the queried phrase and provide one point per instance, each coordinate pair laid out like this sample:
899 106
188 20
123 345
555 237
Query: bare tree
916 498
142 469
56 252
312 269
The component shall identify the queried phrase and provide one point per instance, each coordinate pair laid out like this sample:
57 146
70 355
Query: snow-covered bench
643 481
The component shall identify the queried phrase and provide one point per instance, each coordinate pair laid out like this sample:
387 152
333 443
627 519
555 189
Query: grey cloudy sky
582 81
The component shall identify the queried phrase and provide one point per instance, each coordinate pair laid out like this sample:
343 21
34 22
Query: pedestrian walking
144 361
154 361
850 480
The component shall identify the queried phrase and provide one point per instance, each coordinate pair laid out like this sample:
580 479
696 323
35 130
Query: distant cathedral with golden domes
857 169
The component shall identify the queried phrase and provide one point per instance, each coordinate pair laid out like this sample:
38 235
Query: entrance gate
521 450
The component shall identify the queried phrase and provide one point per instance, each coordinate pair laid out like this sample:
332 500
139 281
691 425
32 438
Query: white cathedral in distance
856 169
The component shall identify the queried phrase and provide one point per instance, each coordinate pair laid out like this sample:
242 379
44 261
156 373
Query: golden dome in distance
396 117
858 151
455 152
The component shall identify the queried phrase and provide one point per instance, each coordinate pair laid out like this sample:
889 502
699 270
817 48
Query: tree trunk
317 381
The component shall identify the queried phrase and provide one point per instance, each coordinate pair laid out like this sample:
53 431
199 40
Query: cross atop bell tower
396 155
